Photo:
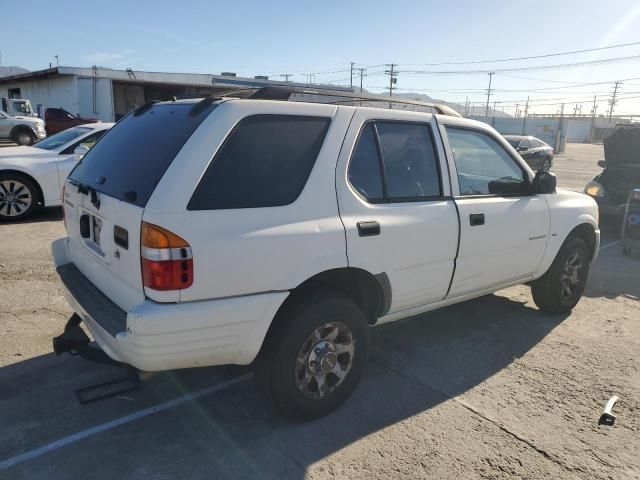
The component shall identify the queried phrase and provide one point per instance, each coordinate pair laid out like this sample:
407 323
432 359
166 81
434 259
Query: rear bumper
165 336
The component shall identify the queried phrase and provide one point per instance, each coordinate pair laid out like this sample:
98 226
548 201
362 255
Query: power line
531 57
519 69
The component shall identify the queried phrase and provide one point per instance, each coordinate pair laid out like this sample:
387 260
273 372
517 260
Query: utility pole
526 112
362 74
393 74
593 118
556 146
613 99
57 63
351 76
286 76
486 110
466 106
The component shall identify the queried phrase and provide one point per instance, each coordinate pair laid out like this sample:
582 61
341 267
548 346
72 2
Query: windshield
133 156
59 139
22 108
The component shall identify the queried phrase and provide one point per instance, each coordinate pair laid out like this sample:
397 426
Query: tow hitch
75 342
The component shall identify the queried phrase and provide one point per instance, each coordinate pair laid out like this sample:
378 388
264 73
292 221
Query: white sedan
33 176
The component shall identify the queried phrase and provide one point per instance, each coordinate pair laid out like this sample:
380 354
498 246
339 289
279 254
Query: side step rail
76 342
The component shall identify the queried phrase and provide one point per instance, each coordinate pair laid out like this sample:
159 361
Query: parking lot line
63 442
610 244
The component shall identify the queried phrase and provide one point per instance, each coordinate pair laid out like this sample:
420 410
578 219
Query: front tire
315 355
25 138
18 197
560 289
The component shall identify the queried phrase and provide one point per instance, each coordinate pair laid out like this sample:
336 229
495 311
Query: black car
534 151
621 171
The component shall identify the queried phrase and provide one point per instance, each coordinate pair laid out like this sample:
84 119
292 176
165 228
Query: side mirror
522 148
544 182
80 151
602 163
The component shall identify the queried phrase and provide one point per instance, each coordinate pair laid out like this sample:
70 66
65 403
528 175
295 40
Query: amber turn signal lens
157 237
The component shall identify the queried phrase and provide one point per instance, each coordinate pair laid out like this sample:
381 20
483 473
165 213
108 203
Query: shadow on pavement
614 274
40 215
415 365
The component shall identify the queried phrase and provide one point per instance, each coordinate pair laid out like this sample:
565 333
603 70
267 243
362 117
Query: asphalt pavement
491 388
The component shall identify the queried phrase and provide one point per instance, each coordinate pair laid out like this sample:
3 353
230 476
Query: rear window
129 161
265 162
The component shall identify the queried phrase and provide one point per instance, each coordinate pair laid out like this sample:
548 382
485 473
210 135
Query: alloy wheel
570 277
324 360
15 198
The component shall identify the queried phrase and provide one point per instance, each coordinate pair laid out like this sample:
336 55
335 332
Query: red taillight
167 262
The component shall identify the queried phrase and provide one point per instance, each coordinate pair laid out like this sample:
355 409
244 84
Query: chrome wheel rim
570 277
324 360
15 198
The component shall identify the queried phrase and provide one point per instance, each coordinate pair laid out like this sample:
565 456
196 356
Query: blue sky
272 38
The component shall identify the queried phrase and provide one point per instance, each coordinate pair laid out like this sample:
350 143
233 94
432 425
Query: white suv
240 231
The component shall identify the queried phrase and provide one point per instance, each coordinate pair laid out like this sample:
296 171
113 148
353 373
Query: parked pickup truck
276 233
58 119
21 130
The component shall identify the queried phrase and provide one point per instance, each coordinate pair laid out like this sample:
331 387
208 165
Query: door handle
476 219
368 229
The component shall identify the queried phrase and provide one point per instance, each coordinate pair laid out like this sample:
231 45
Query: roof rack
338 97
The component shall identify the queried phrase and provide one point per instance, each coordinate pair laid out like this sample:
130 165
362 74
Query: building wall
48 92
102 107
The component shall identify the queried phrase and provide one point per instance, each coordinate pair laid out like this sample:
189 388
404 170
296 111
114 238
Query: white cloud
107 58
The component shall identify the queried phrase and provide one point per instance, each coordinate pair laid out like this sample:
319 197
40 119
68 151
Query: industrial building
108 94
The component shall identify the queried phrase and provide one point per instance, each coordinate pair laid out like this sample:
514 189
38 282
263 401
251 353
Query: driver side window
484 166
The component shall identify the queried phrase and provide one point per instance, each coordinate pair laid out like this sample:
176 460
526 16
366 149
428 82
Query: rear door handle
368 229
476 219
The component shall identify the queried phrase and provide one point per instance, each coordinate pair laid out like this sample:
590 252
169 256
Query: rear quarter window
131 158
264 162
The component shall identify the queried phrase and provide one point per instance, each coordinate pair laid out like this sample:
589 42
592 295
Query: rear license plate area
91 232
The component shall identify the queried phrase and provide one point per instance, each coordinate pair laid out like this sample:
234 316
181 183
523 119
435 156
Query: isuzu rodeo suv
276 233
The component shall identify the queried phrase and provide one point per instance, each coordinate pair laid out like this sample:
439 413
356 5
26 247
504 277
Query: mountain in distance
458 107
11 70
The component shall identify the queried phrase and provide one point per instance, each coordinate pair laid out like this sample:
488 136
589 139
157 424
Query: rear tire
560 289
315 355
24 138
18 197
